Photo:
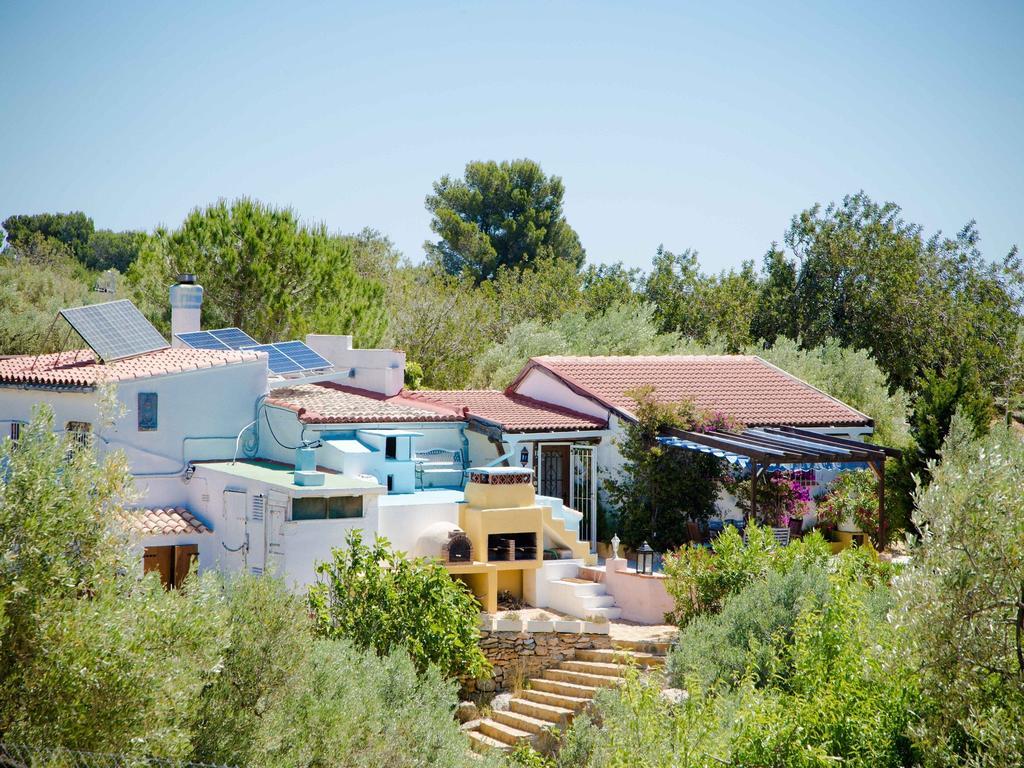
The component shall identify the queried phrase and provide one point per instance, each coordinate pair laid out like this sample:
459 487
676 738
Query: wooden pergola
765 447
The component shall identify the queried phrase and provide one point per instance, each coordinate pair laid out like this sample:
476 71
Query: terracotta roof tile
329 403
80 368
513 412
742 386
162 521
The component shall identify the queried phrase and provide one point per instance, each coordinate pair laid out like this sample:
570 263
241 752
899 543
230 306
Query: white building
251 470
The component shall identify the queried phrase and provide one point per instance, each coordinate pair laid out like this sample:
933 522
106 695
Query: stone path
554 698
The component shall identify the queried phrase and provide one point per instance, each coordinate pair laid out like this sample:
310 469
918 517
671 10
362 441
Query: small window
391 448
342 507
333 508
78 432
147 411
309 508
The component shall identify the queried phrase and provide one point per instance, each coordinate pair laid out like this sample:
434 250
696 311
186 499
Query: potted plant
851 504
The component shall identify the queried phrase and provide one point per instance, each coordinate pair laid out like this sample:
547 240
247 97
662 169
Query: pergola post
883 523
753 491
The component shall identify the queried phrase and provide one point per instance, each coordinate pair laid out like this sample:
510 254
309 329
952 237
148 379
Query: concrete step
620 656
580 588
503 733
595 668
481 743
581 678
562 688
575 703
560 716
644 646
591 573
521 721
598 601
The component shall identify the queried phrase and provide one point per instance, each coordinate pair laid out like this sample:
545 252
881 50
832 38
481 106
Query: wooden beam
883 522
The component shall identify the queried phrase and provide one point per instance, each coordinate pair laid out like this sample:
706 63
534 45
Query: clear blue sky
673 123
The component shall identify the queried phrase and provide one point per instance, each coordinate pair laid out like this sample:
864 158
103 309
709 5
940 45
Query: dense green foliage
700 579
873 281
740 641
93 657
382 601
505 214
961 604
660 489
263 271
93 248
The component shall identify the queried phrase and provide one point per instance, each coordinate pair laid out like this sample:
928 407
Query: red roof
80 368
513 412
330 403
167 520
744 387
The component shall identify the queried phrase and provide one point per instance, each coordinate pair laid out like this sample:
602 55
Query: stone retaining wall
518 656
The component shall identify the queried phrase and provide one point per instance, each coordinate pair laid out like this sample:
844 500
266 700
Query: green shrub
743 640
346 707
381 600
700 579
959 602
848 697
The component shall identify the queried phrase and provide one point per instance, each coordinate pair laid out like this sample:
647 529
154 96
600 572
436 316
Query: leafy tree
673 287
608 285
544 292
659 488
382 601
264 272
775 313
699 306
374 255
500 214
72 229
627 329
32 290
961 603
113 250
851 376
80 634
442 322
870 279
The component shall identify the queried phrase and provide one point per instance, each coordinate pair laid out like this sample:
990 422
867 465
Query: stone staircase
553 699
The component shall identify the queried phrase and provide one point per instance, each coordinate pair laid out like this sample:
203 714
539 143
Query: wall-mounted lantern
524 456
645 559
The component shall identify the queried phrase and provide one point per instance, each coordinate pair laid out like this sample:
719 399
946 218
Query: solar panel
291 357
114 329
202 340
221 338
303 355
234 338
279 362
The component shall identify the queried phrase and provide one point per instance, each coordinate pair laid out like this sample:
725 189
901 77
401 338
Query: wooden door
184 555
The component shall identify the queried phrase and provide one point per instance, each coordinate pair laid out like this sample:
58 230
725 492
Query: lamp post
645 559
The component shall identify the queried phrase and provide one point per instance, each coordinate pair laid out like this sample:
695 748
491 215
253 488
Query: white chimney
186 307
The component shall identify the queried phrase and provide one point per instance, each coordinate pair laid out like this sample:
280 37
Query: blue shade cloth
689 445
